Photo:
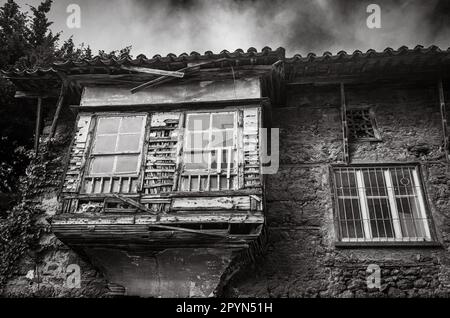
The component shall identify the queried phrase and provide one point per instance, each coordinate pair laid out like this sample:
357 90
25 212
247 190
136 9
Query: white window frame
92 155
364 210
209 171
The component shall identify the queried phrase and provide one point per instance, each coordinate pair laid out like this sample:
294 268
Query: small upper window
380 204
362 124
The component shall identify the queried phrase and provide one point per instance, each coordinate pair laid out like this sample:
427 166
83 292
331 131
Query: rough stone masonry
301 258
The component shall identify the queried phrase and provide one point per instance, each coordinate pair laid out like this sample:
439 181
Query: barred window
362 124
210 152
380 204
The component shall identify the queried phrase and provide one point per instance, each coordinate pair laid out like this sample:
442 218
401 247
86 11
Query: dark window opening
362 125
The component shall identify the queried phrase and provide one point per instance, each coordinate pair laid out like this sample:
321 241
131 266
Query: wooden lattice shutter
162 154
77 154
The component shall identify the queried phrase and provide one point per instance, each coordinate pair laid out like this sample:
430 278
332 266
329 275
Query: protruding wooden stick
37 133
62 93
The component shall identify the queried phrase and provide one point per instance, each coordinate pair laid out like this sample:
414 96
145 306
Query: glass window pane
105 144
374 182
402 181
198 122
351 222
128 143
346 183
131 124
223 160
196 159
127 163
380 217
223 121
222 139
197 140
411 222
102 164
108 125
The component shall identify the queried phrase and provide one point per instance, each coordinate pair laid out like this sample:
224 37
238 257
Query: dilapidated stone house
157 177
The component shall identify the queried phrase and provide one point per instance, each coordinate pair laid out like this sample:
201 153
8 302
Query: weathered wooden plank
212 203
153 71
173 93
146 219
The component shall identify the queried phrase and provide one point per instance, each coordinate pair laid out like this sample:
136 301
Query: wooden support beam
62 94
37 133
164 79
154 71
446 141
344 126
134 203
176 228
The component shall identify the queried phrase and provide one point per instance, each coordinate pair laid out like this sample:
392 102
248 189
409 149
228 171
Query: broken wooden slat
346 154
153 71
446 142
164 79
133 203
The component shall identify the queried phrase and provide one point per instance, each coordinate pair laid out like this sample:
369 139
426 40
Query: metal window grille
361 124
210 152
380 204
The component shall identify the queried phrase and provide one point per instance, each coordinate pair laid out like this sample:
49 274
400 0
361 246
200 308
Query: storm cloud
162 27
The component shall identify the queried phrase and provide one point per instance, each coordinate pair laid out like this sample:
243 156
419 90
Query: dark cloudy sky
160 27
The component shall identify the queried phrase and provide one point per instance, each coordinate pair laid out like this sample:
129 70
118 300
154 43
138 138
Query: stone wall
301 259
43 268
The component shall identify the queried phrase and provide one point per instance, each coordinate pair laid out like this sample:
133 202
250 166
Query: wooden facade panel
252 169
77 151
212 203
161 160
243 88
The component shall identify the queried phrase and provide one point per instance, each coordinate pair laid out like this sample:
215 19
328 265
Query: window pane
223 160
223 121
410 221
128 143
374 182
346 183
128 163
131 124
198 122
222 139
351 219
105 144
380 217
402 181
196 159
198 140
108 125
102 164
